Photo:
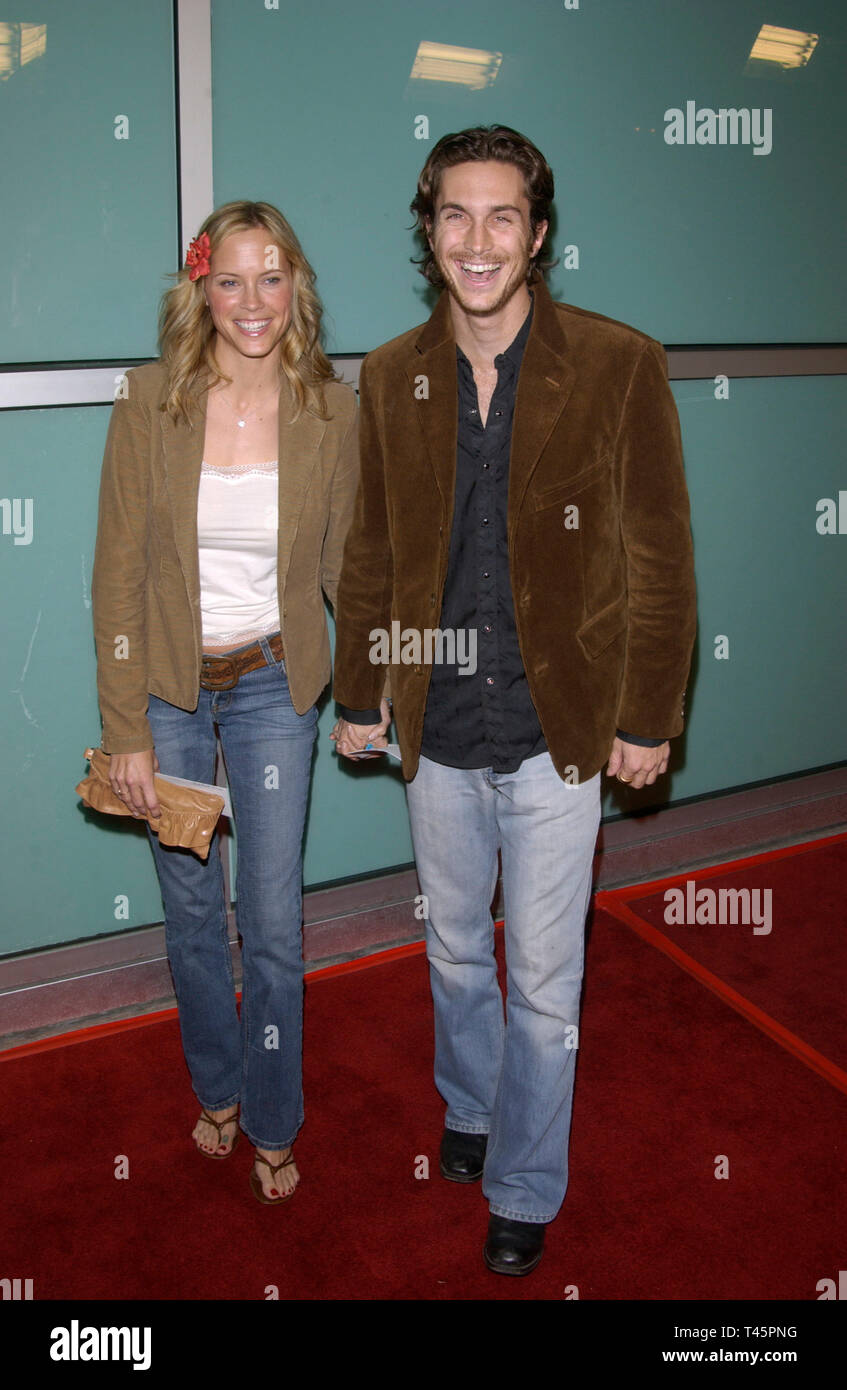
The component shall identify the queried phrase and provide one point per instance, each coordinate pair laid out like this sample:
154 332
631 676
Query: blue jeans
512 1081
267 748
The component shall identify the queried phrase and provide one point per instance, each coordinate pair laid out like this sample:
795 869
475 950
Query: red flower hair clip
197 257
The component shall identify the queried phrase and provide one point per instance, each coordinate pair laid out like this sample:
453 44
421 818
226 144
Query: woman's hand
131 776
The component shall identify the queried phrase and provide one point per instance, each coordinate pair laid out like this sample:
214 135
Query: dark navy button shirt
482 718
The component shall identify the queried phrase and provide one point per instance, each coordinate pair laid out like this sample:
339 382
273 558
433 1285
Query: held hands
131 776
637 766
351 739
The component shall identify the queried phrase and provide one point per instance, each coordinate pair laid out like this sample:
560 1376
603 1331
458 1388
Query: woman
228 484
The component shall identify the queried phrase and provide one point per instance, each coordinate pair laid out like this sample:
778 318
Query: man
521 484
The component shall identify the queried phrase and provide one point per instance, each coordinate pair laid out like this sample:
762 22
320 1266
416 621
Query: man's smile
479 272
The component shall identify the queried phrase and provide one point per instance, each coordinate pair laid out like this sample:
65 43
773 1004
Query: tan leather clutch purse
188 817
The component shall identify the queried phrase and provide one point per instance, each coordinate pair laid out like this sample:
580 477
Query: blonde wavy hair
186 330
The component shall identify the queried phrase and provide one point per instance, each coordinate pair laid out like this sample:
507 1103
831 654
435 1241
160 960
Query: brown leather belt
223 672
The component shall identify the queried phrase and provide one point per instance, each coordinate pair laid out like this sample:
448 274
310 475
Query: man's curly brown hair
479 143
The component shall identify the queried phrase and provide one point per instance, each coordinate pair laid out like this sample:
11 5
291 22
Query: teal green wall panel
89 225
758 464
62 867
316 111
357 814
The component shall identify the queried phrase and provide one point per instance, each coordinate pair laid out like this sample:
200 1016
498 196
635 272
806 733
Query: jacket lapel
433 387
182 452
299 445
545 383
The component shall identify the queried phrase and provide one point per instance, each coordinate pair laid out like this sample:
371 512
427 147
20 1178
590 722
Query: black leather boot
462 1156
513 1247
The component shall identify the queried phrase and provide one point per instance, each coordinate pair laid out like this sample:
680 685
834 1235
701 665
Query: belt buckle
218 682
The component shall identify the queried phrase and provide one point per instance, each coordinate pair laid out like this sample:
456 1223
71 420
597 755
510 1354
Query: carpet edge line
771 1027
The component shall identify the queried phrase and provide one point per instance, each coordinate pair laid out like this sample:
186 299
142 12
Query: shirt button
486 465
485 574
487 627
498 412
485 521
489 680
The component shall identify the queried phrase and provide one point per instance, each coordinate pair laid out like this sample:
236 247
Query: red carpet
669 1078
796 973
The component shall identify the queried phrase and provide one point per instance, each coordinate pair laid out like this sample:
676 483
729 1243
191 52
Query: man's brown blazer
600 552
146 580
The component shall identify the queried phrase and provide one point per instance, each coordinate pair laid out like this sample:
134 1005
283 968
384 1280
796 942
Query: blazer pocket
572 485
599 632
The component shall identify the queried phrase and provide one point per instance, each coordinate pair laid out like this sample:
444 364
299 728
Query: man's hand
637 766
352 739
131 776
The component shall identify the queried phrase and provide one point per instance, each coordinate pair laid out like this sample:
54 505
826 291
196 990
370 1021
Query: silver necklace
242 421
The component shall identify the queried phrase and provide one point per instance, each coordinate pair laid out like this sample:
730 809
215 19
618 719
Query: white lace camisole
237 538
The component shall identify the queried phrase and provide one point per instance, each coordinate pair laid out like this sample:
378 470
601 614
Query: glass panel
88 188
320 112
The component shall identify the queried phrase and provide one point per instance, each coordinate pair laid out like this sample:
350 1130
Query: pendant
241 424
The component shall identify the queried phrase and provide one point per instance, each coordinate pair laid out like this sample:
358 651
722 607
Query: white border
71 386
194 47
96 385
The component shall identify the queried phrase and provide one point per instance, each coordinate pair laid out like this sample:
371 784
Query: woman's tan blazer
146 580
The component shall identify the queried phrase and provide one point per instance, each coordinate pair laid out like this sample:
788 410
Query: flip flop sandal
219 1125
256 1185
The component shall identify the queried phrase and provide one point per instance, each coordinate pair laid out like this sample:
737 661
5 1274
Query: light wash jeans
513 1081
267 748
